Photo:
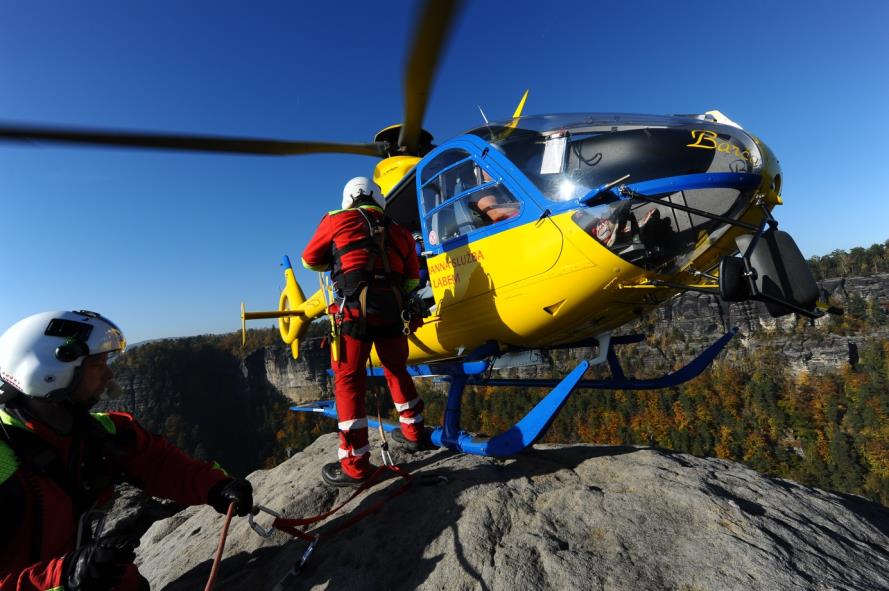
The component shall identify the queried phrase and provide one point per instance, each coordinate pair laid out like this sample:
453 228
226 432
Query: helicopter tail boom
294 313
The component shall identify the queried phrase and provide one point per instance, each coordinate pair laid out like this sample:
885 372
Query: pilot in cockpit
492 206
621 225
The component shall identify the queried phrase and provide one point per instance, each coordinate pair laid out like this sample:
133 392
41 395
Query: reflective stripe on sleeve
411 420
400 407
353 424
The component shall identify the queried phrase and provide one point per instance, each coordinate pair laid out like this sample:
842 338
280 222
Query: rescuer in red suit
373 264
59 462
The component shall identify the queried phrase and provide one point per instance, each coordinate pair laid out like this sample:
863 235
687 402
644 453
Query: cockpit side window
461 178
459 197
441 162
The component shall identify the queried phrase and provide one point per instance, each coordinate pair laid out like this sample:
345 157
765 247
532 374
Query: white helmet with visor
41 355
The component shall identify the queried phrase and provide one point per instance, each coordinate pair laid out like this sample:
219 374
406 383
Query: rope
291 526
215 570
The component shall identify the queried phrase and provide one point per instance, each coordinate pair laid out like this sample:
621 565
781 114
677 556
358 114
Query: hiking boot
332 474
424 443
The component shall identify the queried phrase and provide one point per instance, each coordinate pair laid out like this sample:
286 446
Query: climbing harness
355 286
406 322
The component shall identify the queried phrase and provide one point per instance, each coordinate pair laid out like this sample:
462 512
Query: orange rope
213 571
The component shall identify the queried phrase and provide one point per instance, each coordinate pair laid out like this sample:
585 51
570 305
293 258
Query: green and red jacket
42 501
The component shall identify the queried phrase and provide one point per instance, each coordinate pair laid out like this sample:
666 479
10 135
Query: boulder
555 517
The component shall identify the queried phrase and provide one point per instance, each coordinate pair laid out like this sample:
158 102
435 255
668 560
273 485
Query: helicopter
543 232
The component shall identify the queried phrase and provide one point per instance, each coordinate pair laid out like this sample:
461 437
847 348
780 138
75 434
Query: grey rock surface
556 517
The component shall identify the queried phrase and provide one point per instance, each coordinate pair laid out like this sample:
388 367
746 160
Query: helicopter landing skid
534 424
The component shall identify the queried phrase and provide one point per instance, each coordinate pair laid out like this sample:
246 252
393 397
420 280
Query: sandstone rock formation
299 380
557 517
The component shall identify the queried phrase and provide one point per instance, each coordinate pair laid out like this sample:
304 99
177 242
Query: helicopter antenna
483 115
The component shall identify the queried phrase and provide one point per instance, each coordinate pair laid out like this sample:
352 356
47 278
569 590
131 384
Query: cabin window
441 162
655 235
459 196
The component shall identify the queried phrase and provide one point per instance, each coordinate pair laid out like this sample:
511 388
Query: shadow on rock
874 513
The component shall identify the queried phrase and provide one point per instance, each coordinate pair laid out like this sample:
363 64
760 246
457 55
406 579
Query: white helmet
360 185
41 355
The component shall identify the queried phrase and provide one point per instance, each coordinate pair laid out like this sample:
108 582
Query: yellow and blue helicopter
545 232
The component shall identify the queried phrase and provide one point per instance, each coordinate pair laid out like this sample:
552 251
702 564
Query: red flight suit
39 517
342 244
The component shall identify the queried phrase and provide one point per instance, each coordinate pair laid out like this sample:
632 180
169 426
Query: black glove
238 491
144 585
100 565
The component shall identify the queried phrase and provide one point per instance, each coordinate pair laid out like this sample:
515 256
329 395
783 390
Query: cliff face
688 324
694 319
198 394
299 380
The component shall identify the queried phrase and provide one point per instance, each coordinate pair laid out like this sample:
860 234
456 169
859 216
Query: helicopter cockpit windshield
566 156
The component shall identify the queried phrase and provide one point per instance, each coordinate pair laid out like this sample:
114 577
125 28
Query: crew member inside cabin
621 225
493 206
59 462
373 265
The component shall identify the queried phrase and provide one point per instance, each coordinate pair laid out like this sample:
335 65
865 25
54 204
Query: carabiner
308 552
290 577
387 457
265 533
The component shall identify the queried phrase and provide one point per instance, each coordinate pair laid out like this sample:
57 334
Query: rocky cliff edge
556 517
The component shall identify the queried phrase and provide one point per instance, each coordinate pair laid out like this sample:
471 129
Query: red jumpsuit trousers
350 385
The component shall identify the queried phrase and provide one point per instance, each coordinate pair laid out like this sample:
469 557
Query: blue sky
169 244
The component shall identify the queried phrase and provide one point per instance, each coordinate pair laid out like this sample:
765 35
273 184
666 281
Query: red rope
215 570
292 526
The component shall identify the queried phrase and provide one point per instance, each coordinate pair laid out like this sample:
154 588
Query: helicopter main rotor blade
431 32
190 143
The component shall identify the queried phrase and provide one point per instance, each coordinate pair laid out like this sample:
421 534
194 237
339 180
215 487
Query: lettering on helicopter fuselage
446 280
450 263
709 140
444 273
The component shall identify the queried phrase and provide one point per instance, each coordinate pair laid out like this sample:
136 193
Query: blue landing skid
510 442
533 425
